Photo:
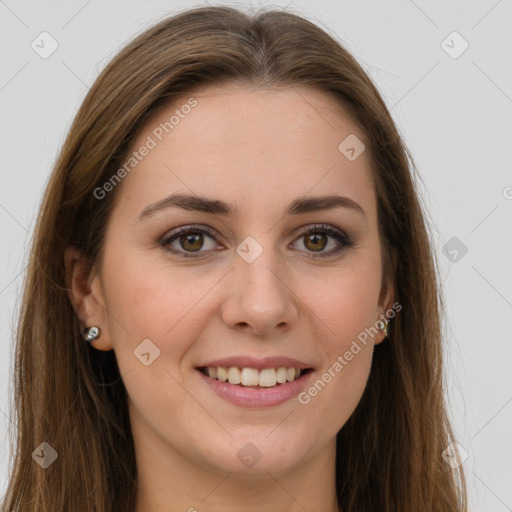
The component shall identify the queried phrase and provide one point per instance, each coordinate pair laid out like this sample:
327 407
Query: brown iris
191 241
318 241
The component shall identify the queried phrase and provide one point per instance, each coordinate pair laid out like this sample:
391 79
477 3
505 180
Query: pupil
190 238
315 238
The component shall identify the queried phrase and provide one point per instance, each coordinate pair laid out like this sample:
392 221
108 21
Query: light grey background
455 115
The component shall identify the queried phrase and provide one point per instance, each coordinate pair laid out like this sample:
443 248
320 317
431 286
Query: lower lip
255 396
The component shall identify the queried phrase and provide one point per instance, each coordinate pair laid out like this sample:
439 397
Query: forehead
249 146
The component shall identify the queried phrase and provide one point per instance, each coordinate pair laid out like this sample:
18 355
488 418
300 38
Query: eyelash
341 237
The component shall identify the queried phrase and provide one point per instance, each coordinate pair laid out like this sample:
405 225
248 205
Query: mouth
252 377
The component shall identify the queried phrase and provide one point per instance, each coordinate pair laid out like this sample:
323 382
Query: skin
257 150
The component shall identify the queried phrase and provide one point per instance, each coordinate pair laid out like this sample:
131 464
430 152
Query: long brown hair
72 396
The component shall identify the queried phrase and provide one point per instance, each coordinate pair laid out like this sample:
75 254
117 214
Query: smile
252 377
255 388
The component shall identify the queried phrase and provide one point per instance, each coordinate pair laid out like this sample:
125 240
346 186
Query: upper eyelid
189 228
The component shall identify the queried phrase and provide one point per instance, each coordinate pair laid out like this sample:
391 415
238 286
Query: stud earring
383 326
91 334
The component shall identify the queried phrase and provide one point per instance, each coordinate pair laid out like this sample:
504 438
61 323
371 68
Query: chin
257 455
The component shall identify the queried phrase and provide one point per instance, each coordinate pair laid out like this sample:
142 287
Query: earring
91 334
383 326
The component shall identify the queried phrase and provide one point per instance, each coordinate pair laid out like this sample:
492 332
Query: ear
386 301
84 289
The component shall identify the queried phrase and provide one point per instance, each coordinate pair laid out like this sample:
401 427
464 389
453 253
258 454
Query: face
217 255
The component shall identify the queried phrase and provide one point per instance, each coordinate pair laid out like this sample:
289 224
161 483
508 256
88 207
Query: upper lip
259 364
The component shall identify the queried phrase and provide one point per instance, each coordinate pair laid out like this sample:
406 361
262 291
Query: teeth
249 376
234 376
281 375
267 378
222 374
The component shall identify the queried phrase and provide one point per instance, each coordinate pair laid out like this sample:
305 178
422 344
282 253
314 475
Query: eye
316 239
188 240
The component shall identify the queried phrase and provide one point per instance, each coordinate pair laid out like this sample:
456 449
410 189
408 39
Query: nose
258 300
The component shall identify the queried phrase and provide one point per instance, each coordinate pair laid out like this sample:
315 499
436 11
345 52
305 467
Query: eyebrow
299 206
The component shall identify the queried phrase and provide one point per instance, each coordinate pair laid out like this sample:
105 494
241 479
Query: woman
231 299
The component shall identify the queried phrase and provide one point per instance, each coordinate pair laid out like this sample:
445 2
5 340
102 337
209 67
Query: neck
168 482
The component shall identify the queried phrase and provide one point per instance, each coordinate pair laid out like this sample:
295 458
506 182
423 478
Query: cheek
336 389
344 311
345 304
148 299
